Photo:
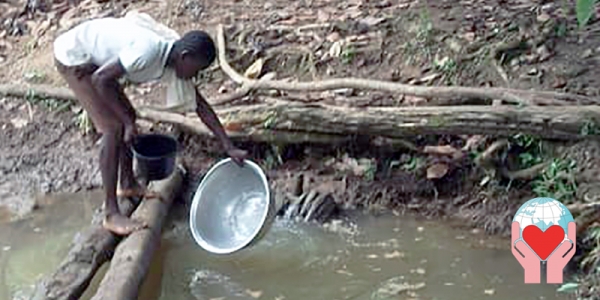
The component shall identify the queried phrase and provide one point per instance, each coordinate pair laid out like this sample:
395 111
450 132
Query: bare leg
127 179
103 118
130 187
109 162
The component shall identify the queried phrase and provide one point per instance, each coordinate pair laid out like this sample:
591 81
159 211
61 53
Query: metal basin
232 207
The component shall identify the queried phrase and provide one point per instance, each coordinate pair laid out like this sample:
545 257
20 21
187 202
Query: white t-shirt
141 45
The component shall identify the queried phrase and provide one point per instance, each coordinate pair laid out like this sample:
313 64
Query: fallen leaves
371 21
440 150
233 126
19 122
437 171
359 167
473 142
336 48
255 69
445 150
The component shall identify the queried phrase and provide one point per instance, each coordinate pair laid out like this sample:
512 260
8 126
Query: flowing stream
367 257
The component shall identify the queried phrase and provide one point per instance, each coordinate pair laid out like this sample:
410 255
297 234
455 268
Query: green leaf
569 287
584 10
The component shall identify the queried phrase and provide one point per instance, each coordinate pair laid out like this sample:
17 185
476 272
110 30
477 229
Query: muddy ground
519 44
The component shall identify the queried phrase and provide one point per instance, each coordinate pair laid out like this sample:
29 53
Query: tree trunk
133 255
294 122
91 248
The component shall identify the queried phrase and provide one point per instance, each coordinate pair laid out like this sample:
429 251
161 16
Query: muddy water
32 247
385 257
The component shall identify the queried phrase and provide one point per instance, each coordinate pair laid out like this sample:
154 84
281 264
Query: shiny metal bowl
232 207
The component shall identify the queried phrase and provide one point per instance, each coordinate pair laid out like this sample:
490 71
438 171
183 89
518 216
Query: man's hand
238 156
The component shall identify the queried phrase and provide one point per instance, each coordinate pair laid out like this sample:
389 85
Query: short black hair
198 44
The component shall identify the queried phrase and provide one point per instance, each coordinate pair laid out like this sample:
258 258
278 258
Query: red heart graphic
543 242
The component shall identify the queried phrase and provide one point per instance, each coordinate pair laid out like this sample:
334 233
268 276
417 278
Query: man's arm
105 81
208 116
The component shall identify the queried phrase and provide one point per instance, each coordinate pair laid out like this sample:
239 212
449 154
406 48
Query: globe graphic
543 213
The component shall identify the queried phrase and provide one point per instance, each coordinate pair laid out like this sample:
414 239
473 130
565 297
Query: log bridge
130 256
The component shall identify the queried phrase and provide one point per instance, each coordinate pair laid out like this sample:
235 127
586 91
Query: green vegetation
584 10
273 157
48 103
348 54
557 181
84 123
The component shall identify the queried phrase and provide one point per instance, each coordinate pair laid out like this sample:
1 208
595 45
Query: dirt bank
42 153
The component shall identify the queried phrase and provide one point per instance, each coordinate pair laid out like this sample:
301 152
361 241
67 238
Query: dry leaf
372 256
440 150
371 21
469 36
254 70
323 16
19 122
280 297
269 76
543 17
409 99
254 294
353 13
430 77
437 171
333 37
233 126
472 142
357 167
336 49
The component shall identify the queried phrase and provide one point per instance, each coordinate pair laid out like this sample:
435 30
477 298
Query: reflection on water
385 257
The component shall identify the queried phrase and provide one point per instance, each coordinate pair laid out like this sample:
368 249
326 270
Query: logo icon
543 230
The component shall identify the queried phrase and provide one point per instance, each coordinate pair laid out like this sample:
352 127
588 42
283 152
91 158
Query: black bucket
155 155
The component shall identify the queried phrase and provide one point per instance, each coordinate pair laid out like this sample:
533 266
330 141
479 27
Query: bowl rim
196 202
160 135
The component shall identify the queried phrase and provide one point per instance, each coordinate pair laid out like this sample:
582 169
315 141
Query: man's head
193 52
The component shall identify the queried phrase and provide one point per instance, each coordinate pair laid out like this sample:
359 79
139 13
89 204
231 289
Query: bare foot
122 225
138 192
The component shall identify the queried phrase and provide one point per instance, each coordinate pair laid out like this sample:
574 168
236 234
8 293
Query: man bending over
94 55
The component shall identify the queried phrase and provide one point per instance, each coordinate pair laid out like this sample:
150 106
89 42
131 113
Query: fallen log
286 121
514 96
133 255
91 248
